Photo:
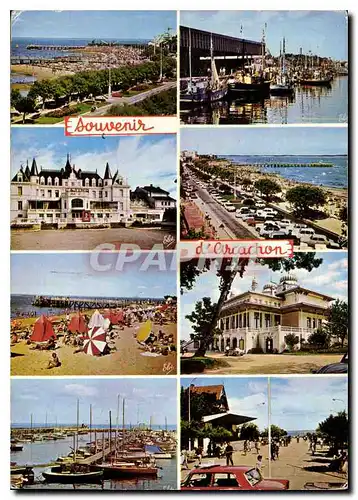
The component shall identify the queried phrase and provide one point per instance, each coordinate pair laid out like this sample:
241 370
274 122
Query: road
102 111
225 217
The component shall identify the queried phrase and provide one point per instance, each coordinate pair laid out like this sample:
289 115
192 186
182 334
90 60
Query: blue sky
76 274
93 24
296 403
266 141
322 32
331 278
142 159
58 398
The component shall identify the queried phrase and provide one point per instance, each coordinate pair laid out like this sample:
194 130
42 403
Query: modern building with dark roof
72 195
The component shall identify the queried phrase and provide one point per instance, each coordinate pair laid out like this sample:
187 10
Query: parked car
341 367
317 239
230 207
235 478
260 204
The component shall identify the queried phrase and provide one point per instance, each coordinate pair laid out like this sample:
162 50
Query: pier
56 47
89 303
32 61
296 165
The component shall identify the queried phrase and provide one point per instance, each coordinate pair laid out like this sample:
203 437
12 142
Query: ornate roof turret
27 170
254 284
34 170
288 279
107 173
269 288
68 168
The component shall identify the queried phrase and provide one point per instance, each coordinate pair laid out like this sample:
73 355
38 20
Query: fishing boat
72 474
20 475
202 89
282 86
161 456
317 79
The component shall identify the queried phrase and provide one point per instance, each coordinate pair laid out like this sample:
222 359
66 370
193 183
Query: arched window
42 180
49 181
100 182
86 181
93 181
77 203
56 181
19 177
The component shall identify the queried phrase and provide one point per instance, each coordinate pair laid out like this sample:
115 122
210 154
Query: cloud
142 162
80 390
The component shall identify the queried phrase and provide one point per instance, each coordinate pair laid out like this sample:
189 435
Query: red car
222 477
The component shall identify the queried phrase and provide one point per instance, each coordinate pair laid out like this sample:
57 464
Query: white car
317 239
230 208
260 204
306 233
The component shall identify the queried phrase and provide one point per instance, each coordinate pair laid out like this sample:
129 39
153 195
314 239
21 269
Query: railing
268 330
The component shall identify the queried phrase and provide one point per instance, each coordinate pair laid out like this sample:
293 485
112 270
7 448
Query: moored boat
72 475
16 446
128 469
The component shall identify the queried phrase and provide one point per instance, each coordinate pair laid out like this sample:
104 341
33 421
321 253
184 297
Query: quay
88 303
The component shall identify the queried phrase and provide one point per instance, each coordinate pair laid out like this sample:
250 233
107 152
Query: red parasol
95 341
77 324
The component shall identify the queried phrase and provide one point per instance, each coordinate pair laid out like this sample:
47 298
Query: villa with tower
79 197
262 319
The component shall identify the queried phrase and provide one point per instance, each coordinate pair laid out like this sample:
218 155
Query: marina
261 81
112 455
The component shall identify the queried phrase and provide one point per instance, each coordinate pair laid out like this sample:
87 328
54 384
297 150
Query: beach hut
77 324
97 320
43 330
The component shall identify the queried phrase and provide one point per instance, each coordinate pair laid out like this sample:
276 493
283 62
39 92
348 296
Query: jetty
296 165
55 47
89 303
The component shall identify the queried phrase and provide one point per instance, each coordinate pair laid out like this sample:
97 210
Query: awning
227 418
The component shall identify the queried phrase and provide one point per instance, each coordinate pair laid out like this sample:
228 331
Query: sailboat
283 85
203 90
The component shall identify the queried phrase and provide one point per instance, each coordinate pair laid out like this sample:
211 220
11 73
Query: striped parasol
95 341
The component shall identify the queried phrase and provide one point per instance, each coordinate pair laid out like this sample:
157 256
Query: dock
89 303
55 47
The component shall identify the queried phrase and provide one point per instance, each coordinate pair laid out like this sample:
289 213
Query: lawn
84 107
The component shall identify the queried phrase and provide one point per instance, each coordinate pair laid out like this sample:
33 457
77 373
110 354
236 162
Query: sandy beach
40 72
294 463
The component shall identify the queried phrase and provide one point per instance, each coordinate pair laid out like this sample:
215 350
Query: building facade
256 319
71 195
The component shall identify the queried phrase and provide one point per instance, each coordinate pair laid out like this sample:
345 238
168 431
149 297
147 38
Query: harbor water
308 105
335 177
42 453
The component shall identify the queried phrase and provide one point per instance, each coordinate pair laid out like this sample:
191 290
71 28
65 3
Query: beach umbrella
43 330
144 331
77 324
96 319
95 341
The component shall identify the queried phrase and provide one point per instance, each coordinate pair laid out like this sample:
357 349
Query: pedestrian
184 454
257 446
199 454
259 464
245 447
229 450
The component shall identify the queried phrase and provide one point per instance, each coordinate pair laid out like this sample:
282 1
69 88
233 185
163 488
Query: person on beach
229 450
54 362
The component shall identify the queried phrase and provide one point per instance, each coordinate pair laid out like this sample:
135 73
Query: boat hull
316 83
73 478
281 90
111 471
203 97
238 88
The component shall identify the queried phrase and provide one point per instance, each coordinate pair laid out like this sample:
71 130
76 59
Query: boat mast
90 424
190 75
31 426
212 59
263 48
110 432
123 409
283 56
117 425
77 424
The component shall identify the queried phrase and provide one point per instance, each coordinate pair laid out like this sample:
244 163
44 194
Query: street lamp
189 411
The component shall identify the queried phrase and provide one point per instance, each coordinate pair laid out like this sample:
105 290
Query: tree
276 432
291 340
25 105
201 318
335 430
15 97
320 338
338 320
200 405
250 432
304 198
343 214
267 187
246 182
227 270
